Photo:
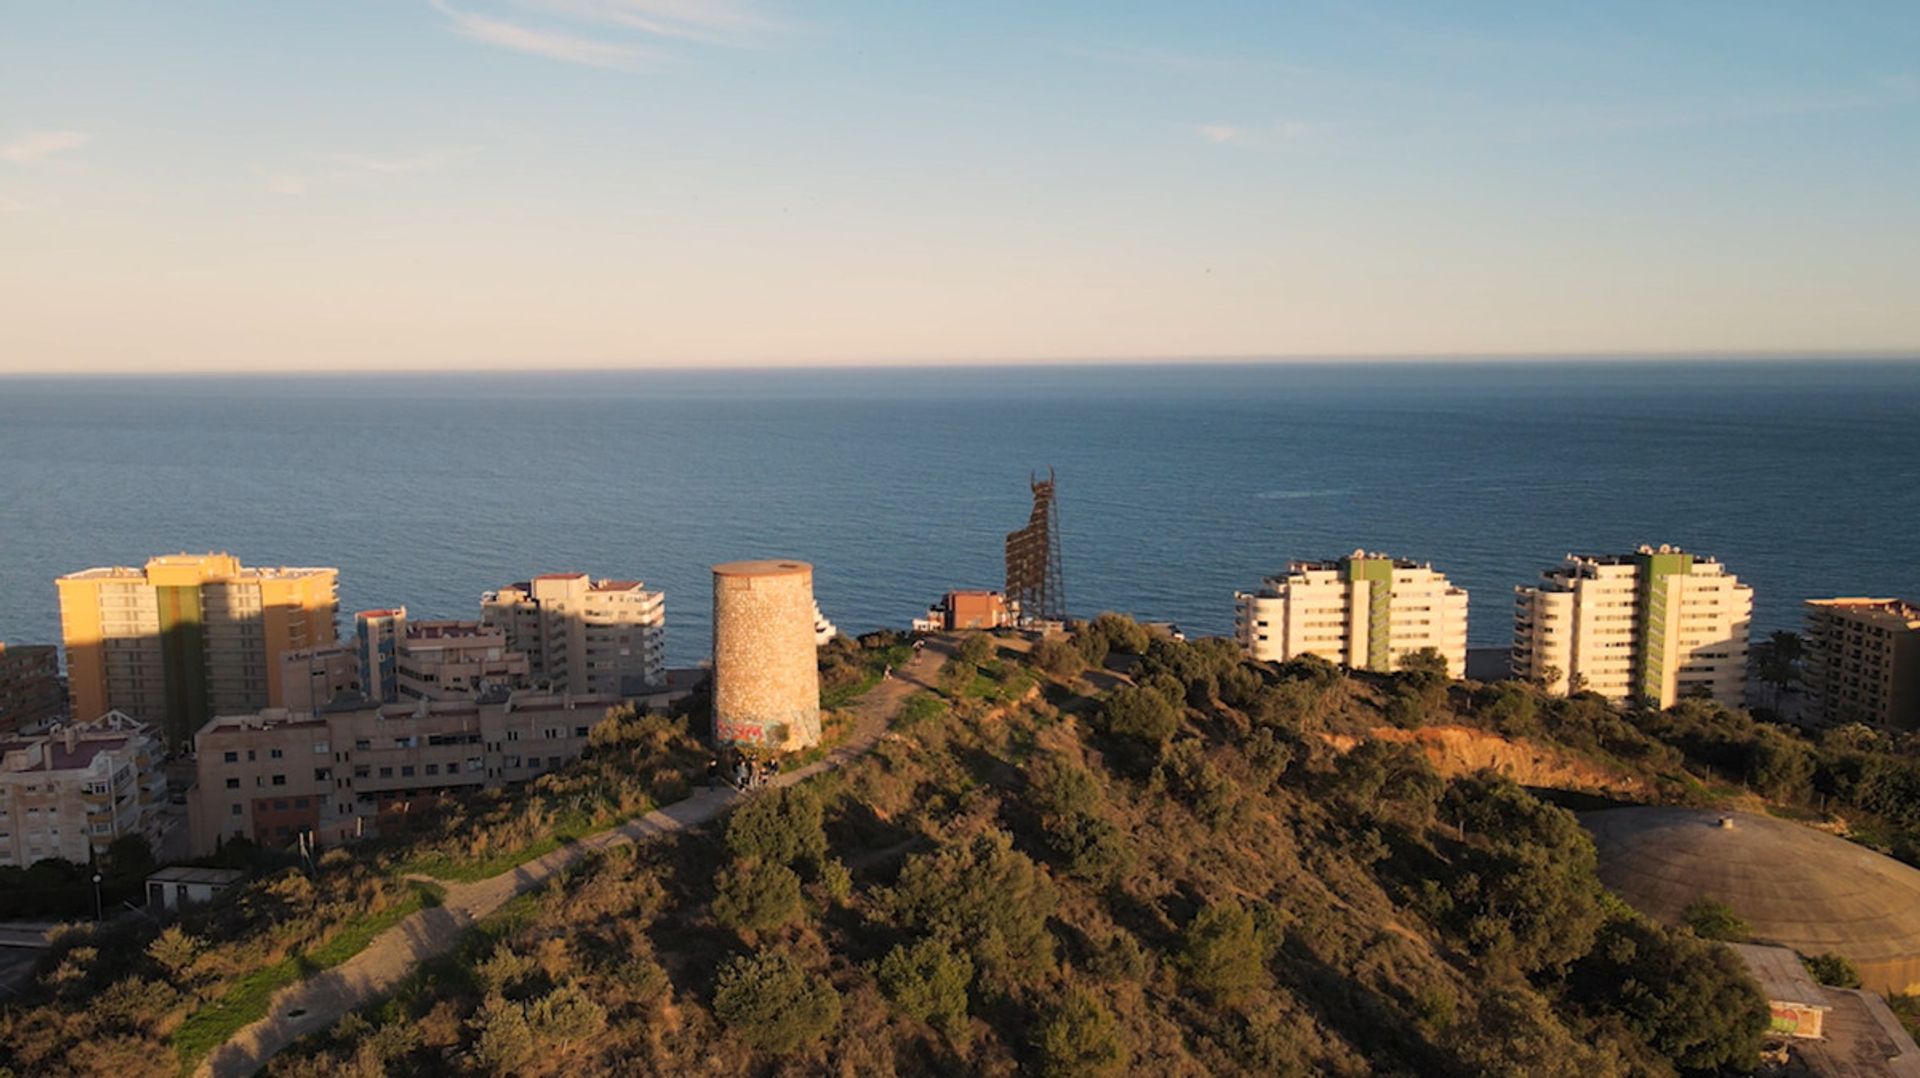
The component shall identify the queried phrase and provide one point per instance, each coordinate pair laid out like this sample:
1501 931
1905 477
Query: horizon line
1770 356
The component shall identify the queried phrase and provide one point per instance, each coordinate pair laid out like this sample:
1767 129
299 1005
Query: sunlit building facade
1364 611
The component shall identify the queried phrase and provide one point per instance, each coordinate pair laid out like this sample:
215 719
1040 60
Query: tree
1776 662
1525 888
1124 635
1079 1038
928 982
1223 952
1711 920
1143 719
757 897
1424 664
983 896
1691 1000
977 649
781 827
1058 658
773 1004
505 1043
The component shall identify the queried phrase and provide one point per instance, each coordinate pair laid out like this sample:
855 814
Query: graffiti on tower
1033 558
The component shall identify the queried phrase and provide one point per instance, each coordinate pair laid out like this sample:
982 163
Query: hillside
1165 869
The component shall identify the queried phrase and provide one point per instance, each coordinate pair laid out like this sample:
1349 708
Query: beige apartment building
70 792
312 678
581 634
1655 625
457 660
1862 661
1365 611
270 775
188 636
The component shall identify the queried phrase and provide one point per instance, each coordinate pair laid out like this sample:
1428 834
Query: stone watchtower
766 673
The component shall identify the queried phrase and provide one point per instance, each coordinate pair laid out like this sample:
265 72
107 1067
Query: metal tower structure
1034 577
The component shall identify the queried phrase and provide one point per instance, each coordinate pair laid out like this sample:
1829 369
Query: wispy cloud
325 169
1283 131
639 28
37 146
715 22
569 48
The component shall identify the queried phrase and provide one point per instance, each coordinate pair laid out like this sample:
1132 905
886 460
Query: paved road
319 1001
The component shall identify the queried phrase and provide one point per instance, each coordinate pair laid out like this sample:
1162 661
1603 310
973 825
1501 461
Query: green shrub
1833 969
1711 920
779 827
773 1004
928 982
1223 953
1080 1039
757 896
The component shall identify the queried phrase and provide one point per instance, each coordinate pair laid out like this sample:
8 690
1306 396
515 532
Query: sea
1178 483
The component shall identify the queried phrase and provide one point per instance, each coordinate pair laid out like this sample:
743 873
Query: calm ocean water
1177 484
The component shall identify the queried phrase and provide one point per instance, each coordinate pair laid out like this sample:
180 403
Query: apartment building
312 678
457 660
1365 611
188 636
376 642
1655 625
581 634
269 775
1862 661
30 691
70 792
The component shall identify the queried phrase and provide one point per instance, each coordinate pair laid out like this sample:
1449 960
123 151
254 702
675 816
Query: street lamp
97 913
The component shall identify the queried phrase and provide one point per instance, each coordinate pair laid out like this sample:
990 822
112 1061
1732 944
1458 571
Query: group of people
744 772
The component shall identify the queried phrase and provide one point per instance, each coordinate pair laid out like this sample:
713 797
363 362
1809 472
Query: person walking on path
713 773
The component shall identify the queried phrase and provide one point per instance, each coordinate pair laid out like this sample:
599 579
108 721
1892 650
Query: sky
463 184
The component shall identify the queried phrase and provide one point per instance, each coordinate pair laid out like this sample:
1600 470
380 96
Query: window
236 810
362 772
433 769
279 780
231 757
321 748
322 774
513 735
275 754
580 731
386 772
233 784
362 743
406 771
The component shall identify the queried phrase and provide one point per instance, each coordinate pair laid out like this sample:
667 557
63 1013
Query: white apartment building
271 775
70 792
1364 611
1655 625
584 635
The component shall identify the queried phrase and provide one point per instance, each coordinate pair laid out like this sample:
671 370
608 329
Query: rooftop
1900 611
765 567
1796 886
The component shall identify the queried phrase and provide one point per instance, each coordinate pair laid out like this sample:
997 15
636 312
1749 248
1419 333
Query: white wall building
1365 611
584 635
1657 625
70 792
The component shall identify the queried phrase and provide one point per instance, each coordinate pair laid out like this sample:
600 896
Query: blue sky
593 183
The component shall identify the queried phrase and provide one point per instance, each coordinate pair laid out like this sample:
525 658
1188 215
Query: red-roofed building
70 792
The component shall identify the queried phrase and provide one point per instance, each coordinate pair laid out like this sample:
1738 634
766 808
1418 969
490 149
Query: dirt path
321 1000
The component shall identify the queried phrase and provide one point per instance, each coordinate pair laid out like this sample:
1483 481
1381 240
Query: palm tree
1777 661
